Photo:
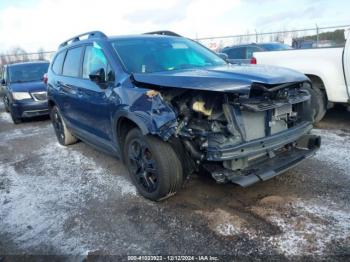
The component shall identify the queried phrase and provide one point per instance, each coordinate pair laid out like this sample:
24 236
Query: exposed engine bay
233 135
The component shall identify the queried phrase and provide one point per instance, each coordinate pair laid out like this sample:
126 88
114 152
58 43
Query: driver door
94 105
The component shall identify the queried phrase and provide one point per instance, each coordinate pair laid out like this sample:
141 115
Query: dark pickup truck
168 107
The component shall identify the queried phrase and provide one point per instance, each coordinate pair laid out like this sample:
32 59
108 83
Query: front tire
16 120
64 136
153 165
6 103
318 102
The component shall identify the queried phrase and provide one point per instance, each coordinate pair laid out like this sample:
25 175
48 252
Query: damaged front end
240 137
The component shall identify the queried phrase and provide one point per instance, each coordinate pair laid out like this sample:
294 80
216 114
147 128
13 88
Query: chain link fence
22 56
303 38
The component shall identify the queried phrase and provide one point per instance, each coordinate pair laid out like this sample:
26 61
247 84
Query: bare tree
41 54
18 54
3 59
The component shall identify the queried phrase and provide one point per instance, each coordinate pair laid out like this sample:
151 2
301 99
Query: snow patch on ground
307 227
21 133
5 117
226 224
314 225
43 194
335 148
227 229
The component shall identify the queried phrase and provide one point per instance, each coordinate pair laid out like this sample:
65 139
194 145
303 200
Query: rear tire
64 136
153 165
318 102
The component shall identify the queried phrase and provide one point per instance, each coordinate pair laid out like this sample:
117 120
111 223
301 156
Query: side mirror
223 56
3 82
98 76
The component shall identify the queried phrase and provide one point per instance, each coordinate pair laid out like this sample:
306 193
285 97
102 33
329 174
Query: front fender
151 114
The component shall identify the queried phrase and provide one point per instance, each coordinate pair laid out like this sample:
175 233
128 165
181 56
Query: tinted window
235 53
72 62
27 72
145 55
57 64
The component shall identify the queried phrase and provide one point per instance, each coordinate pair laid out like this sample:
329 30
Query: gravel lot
75 200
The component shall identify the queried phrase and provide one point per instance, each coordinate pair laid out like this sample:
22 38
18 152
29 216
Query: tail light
253 60
45 79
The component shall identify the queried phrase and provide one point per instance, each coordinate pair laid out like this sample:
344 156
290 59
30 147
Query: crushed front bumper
304 148
257 146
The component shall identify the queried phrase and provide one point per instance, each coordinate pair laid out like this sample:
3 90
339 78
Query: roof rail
92 34
164 32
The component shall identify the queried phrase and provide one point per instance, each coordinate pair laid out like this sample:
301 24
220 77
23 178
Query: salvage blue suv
25 92
168 107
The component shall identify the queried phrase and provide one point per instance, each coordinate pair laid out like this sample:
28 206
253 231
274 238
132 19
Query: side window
71 64
236 53
94 59
58 63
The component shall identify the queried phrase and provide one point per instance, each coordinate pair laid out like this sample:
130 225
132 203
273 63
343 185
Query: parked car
168 106
306 43
25 93
242 54
327 68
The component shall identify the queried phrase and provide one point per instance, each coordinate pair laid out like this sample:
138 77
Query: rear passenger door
68 85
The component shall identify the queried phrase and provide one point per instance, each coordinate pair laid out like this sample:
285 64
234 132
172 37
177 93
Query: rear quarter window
71 66
58 63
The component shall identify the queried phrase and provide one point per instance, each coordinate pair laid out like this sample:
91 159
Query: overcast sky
32 24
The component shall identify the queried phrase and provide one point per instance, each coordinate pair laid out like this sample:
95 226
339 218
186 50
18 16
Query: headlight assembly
21 95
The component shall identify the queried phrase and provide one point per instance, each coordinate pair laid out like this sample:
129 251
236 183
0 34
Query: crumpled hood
28 87
230 78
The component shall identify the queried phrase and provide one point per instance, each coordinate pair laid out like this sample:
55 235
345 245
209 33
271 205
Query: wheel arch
123 124
317 81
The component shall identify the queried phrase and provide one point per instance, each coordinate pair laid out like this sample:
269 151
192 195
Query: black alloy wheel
58 126
142 165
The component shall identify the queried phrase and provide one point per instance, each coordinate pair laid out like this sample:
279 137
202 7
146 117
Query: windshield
148 55
275 47
27 72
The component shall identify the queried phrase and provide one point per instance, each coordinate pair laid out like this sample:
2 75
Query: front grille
39 96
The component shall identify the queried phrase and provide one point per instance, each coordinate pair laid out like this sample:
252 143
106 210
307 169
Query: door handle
66 88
